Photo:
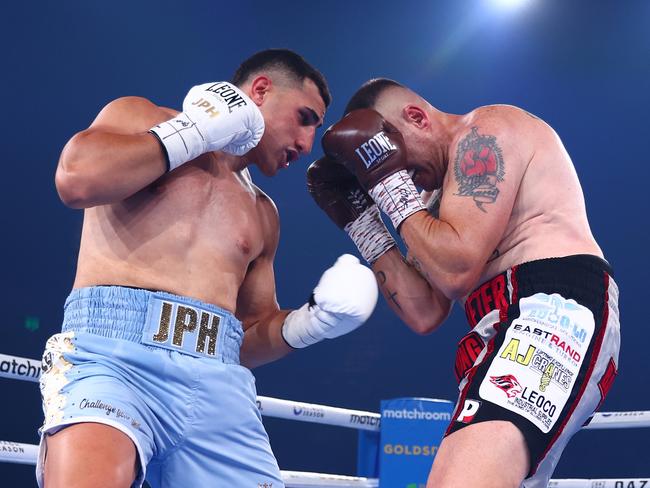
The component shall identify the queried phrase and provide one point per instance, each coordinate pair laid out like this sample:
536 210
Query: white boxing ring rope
14 367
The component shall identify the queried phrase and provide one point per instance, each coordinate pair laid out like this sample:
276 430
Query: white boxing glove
215 117
343 300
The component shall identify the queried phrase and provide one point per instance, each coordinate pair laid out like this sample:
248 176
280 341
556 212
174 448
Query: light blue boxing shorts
164 370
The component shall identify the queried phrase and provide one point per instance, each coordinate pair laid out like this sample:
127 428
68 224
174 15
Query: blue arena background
583 66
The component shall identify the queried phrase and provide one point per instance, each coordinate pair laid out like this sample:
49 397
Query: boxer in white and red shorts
542 354
502 205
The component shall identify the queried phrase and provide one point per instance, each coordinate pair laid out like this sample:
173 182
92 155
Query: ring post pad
411 431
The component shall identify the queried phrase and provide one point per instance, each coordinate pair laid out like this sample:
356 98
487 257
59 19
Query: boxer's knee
90 455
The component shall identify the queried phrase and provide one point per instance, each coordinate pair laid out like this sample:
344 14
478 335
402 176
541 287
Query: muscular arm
115 157
257 305
342 301
262 318
422 307
478 196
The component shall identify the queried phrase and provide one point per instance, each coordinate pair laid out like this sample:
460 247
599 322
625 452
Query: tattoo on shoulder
478 168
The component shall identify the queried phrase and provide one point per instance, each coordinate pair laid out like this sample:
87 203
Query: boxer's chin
269 170
267 166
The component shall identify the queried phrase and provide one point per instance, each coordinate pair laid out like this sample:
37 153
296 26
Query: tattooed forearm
478 168
391 296
415 264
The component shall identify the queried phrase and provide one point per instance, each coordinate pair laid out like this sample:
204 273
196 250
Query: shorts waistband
582 277
159 319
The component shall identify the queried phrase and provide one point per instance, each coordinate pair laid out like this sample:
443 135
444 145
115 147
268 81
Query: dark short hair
366 96
286 61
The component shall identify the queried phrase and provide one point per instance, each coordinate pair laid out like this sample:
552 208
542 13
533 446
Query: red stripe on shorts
503 317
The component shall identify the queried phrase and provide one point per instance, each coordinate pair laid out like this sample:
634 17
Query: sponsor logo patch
539 359
508 383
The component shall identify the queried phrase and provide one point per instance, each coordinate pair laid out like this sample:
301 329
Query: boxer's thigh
490 454
90 455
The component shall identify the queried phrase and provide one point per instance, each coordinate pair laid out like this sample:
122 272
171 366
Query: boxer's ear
414 115
260 88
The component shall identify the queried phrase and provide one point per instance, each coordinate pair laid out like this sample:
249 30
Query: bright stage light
509 4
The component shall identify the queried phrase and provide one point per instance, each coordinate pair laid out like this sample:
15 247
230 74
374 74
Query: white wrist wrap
370 234
181 139
397 197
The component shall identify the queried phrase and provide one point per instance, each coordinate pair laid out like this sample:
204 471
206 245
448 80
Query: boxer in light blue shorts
169 204
164 370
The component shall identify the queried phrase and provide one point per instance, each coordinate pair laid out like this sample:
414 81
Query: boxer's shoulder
131 114
505 121
508 130
501 113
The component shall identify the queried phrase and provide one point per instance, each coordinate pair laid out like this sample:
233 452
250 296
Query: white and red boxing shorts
542 353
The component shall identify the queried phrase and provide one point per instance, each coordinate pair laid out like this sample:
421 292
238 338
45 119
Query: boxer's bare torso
169 205
532 208
203 230
196 231
548 216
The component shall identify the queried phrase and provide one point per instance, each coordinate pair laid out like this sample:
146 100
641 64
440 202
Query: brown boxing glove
368 145
338 193
374 150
